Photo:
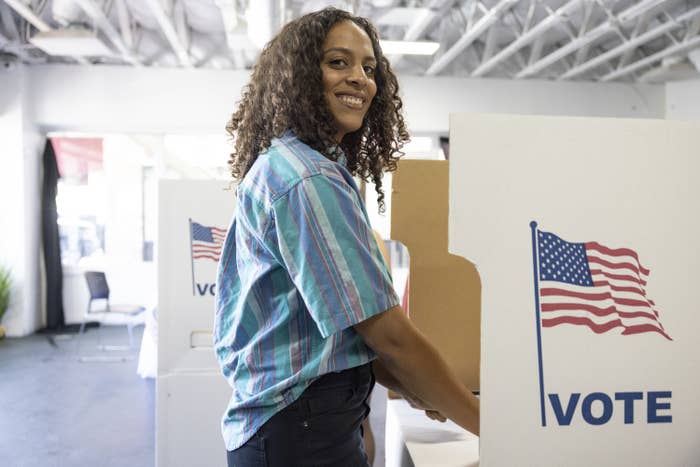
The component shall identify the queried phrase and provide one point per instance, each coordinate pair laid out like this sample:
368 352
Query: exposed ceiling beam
667 52
536 31
582 53
229 16
530 16
694 57
489 45
8 22
471 34
536 50
693 29
28 14
32 18
438 9
591 36
471 17
168 28
631 44
124 23
642 22
422 24
14 48
179 18
101 21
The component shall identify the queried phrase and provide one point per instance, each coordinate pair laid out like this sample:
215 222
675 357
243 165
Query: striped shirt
300 266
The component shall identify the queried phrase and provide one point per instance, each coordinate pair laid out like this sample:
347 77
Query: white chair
125 315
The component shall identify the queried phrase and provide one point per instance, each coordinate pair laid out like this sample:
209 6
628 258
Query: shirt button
305 424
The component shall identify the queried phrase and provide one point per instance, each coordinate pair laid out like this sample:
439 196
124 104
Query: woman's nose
358 76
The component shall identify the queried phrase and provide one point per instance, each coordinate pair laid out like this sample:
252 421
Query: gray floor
56 411
59 412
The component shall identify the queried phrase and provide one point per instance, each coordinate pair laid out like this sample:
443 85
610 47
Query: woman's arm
413 362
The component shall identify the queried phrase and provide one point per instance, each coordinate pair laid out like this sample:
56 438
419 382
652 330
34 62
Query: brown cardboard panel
445 290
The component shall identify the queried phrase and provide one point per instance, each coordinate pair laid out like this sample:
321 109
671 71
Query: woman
305 302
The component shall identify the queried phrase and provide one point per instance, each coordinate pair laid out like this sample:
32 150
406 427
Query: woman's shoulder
285 164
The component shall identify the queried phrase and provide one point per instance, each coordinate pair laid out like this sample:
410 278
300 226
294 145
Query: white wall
173 100
429 101
20 186
137 100
683 100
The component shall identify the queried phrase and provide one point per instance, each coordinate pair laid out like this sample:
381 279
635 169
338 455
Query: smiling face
348 67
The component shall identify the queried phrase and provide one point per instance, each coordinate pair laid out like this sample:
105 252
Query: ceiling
585 40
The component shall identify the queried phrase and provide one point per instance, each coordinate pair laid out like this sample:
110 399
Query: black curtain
55 318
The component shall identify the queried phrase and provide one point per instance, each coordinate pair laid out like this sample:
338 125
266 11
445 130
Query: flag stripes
207 241
592 285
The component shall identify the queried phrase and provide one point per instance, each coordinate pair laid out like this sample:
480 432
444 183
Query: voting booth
583 232
191 393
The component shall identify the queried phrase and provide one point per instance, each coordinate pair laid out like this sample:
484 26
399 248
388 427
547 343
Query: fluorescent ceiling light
409 48
73 41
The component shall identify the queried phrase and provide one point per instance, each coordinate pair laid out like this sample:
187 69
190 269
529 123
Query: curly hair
285 92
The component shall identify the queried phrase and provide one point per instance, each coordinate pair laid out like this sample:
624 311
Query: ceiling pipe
166 25
536 31
667 52
95 12
470 35
591 36
631 44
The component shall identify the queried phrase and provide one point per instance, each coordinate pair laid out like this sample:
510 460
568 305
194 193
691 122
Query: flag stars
562 261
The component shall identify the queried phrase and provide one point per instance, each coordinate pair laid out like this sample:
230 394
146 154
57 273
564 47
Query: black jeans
321 428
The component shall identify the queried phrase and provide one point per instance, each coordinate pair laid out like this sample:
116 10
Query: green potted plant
5 285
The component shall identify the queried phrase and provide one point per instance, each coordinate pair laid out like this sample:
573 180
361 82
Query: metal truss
590 39
594 40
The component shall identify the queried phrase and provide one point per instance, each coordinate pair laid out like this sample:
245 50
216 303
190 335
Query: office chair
128 315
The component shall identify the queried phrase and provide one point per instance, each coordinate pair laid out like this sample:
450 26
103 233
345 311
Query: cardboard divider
445 290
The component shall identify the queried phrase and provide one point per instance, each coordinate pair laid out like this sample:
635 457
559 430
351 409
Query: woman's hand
386 379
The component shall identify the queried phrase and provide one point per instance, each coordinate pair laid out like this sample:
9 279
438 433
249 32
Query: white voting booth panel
570 375
191 394
190 406
187 269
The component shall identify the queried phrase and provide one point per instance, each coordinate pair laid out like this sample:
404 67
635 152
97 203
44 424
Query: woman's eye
337 62
369 70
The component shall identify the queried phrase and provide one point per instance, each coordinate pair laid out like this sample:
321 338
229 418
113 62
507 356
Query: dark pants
321 428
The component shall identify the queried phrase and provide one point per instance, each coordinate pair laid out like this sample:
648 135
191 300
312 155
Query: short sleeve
327 246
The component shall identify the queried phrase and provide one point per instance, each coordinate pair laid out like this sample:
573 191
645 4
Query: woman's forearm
407 355
420 370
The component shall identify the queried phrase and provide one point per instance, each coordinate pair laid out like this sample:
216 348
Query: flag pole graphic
533 227
191 254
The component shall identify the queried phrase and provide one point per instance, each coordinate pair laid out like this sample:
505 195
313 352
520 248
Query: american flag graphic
206 241
593 285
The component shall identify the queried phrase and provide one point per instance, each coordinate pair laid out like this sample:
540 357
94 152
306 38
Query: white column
20 188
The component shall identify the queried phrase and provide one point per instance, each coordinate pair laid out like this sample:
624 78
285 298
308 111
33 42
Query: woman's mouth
351 101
